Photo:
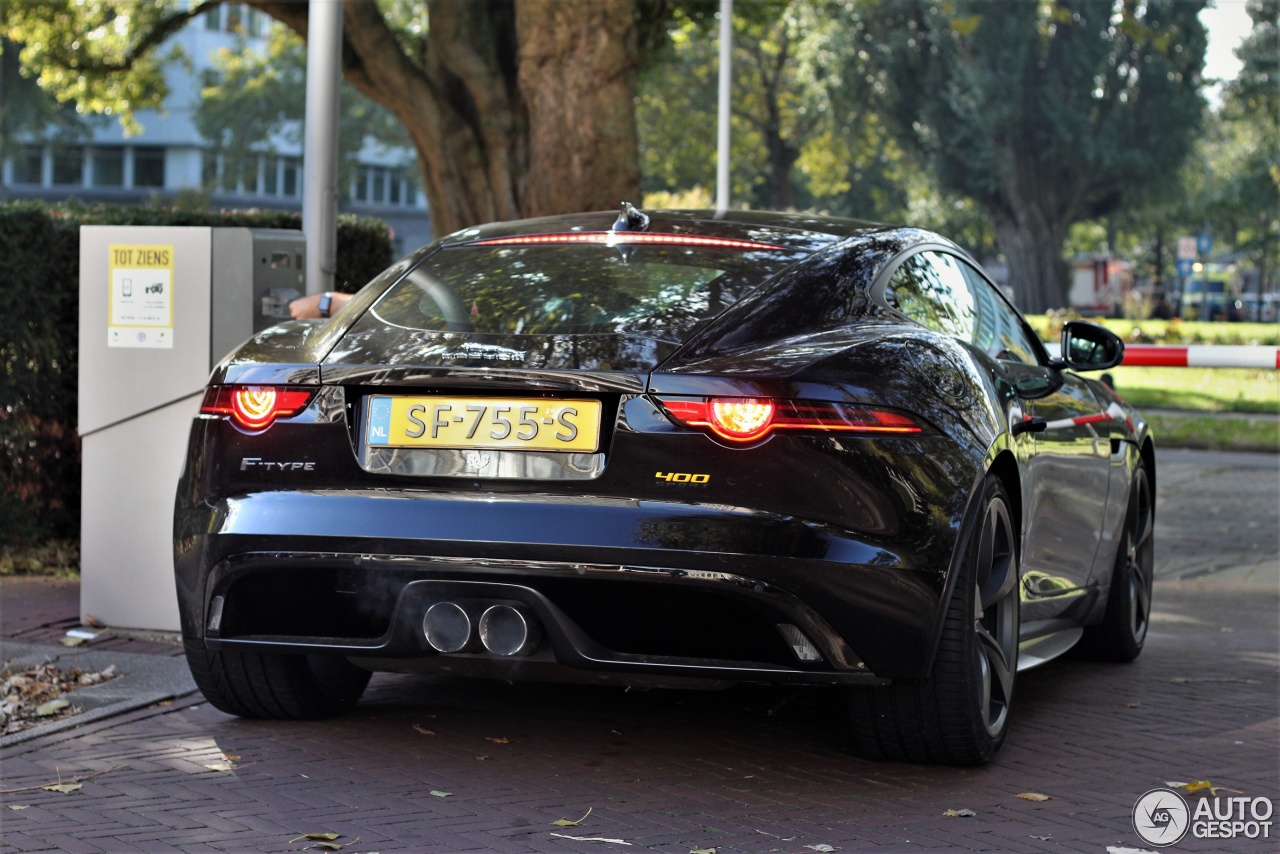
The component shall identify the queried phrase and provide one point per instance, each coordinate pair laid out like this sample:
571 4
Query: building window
270 173
28 165
213 19
235 18
394 197
148 167
108 167
255 23
249 175
290 177
379 194
68 167
209 171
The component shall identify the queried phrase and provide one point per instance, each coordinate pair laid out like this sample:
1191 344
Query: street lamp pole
320 144
726 79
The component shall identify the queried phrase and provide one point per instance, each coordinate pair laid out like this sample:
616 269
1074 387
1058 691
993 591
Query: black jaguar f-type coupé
669 448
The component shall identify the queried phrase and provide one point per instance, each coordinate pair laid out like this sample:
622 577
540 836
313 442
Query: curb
144 680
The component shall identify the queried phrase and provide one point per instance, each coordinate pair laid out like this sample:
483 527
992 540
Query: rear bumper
630 587
589 618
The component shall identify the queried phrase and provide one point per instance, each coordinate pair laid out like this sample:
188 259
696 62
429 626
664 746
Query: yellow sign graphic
141 278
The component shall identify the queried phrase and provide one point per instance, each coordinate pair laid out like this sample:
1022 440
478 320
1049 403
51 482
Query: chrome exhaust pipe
505 630
447 627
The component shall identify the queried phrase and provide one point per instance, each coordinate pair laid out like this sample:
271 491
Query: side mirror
1087 347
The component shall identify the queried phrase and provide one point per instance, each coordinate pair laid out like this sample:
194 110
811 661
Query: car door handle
1029 425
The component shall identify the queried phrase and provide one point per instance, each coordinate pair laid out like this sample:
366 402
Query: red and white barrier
1202 356
1113 413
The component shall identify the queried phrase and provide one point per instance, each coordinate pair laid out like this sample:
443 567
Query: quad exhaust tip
503 630
447 627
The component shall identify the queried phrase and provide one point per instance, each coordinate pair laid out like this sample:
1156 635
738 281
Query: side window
931 289
999 332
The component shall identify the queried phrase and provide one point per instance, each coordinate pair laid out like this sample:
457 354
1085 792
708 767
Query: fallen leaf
497 739
327 837
52 707
71 641
73 783
90 620
165 703
19 806
1041 838
1134 705
420 728
436 793
703 851
64 788
821 846
591 839
1032 796
565 822
1205 786
222 766
959 813
230 757
481 758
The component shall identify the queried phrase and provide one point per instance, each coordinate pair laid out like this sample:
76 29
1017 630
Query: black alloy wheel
1123 630
959 714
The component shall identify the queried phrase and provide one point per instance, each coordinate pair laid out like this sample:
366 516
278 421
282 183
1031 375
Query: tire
959 713
1123 630
275 685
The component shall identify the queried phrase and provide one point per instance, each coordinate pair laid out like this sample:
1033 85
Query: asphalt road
428 765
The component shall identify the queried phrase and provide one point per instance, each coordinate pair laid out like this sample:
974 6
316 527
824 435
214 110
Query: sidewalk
36 613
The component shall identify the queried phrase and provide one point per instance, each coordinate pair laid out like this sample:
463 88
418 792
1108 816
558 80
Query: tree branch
161 31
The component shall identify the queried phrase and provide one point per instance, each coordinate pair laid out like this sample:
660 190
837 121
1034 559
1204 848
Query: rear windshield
553 290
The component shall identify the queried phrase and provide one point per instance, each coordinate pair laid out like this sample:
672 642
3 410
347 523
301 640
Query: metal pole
320 145
726 78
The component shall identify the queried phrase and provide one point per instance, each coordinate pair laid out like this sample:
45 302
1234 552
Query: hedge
39 326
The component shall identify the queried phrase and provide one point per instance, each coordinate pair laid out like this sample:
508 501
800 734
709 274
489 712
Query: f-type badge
248 463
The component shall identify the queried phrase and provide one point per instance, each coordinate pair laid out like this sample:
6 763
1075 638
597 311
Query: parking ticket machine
159 307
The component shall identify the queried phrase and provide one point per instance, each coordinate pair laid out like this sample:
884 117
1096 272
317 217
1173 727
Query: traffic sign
1184 266
1186 247
1204 243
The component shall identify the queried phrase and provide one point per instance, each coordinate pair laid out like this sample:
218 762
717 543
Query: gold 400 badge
681 477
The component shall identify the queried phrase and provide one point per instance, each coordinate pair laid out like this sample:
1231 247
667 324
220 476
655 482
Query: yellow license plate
484 422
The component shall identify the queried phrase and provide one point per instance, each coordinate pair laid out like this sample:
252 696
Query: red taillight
254 407
618 238
749 419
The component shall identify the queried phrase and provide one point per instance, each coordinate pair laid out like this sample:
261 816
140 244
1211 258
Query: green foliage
100 55
1200 389
39 330
801 137
256 97
27 112
1043 113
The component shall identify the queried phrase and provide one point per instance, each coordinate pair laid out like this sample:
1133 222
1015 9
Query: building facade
170 156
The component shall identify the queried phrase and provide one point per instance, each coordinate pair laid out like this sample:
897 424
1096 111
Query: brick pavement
673 771
743 770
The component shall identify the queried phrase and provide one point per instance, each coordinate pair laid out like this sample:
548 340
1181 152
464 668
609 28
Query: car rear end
501 465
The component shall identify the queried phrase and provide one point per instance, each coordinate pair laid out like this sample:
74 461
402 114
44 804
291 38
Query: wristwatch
326 299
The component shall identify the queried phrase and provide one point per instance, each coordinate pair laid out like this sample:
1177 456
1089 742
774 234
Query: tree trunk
577 76
1032 244
515 107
